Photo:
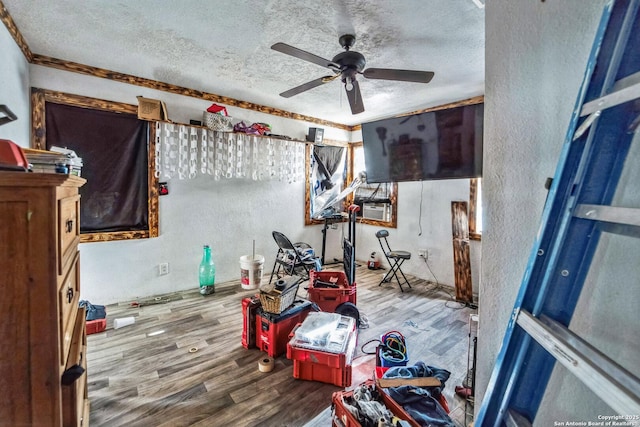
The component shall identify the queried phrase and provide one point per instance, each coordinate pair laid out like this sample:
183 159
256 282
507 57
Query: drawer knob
69 225
72 374
69 294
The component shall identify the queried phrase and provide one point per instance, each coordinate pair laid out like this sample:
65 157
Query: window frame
39 97
393 223
474 201
349 178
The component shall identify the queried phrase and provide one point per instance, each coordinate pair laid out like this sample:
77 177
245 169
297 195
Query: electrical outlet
424 253
163 269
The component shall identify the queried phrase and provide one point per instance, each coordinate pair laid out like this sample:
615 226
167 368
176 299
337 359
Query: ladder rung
616 386
624 90
515 419
613 214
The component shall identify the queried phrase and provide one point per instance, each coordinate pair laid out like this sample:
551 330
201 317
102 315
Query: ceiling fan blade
355 98
401 75
304 55
306 86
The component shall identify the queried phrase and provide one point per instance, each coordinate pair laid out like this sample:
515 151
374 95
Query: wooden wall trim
470 101
75 67
87 102
8 22
154 182
116 235
38 119
473 206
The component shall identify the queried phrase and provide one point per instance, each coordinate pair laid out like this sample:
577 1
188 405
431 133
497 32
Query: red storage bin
347 419
249 308
322 373
329 298
95 326
311 362
272 330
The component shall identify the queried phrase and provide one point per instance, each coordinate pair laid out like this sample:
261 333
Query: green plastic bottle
207 273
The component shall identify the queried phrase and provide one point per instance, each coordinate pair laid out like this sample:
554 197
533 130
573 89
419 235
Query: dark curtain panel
329 158
113 148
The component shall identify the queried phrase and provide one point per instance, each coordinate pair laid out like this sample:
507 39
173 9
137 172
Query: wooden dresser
42 330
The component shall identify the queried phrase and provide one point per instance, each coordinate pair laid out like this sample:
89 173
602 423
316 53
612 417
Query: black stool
395 259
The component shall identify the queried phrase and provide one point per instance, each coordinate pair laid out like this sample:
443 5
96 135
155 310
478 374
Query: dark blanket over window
113 148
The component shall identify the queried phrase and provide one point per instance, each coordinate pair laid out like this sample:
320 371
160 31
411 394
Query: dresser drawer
68 298
74 395
68 230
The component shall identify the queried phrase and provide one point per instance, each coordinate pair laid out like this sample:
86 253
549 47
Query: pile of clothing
423 404
367 407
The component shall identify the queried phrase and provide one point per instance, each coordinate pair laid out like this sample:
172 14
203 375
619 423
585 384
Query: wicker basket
217 121
276 302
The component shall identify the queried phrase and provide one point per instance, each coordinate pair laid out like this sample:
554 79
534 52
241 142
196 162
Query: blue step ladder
578 210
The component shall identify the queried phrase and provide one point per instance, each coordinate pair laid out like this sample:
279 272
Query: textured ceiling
223 47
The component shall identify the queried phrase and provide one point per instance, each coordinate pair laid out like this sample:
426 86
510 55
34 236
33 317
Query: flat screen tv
443 144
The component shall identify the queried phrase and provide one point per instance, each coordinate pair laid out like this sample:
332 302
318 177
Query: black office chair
292 258
395 259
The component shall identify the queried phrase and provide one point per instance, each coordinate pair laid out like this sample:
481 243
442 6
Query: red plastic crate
95 326
347 419
322 373
272 330
249 308
328 299
325 367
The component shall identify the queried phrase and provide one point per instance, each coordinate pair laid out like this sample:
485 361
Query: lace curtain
185 152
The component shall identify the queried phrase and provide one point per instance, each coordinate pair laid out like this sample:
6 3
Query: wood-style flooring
145 374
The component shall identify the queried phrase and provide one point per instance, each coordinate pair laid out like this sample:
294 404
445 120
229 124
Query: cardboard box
151 109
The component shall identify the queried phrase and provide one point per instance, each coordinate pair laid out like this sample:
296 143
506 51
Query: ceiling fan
346 65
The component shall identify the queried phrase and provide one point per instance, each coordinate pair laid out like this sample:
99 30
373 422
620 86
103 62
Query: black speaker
315 135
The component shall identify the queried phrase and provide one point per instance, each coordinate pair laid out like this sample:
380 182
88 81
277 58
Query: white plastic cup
123 321
251 271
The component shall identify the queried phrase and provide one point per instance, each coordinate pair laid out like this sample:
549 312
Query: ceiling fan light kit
346 66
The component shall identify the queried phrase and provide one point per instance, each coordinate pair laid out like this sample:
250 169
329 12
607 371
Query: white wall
14 89
536 54
429 227
227 214
230 214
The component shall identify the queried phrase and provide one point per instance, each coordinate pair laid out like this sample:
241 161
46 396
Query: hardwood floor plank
145 375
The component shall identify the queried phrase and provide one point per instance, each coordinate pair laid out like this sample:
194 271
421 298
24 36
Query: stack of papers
56 160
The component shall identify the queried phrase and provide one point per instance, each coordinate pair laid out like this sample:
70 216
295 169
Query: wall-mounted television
443 144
